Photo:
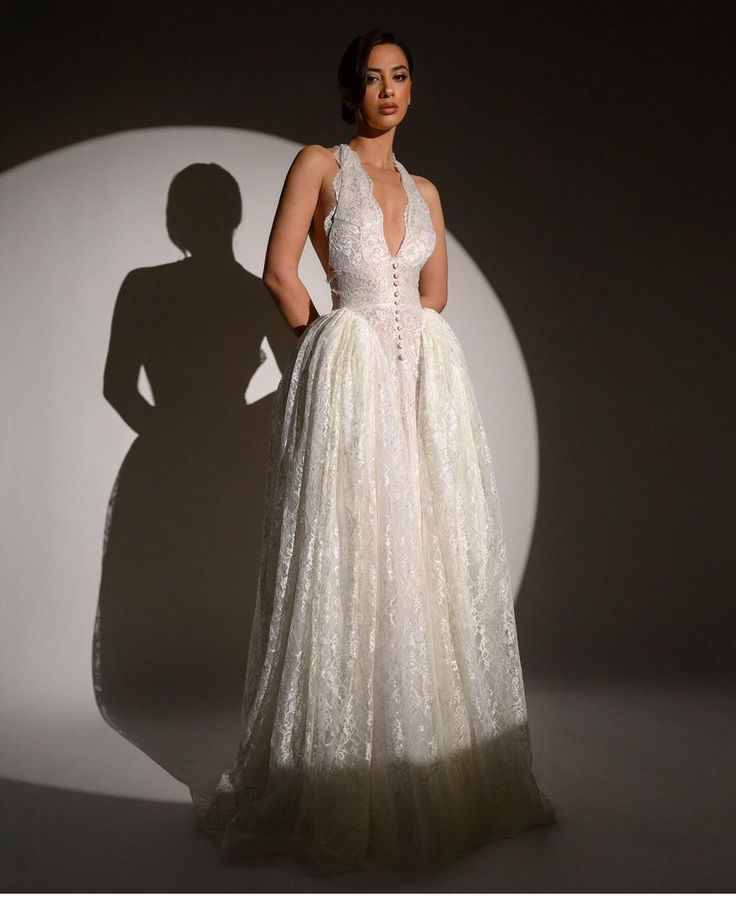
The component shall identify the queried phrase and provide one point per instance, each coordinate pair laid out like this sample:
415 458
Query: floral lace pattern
384 718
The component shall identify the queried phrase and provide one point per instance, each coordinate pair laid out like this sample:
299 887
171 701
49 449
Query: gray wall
583 153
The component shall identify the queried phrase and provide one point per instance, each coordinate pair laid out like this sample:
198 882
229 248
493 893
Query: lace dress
384 719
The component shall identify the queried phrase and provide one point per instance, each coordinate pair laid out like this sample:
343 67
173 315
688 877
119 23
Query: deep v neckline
377 205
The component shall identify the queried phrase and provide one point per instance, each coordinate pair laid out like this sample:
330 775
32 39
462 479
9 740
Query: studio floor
641 776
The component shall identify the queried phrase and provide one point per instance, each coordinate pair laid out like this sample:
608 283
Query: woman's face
387 87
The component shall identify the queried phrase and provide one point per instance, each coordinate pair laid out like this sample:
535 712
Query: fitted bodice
363 274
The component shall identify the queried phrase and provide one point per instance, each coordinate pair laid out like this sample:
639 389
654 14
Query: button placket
395 281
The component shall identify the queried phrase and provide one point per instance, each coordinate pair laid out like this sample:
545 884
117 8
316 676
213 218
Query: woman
384 717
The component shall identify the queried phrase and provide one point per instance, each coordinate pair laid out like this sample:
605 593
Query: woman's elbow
276 279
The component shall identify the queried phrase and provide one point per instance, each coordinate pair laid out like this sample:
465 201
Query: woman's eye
400 76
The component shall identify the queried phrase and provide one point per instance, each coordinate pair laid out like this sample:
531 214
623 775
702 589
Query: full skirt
384 719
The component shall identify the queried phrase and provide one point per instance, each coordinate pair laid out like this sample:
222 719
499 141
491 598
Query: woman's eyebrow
377 69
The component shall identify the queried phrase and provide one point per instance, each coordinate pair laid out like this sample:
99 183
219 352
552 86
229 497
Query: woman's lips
388 110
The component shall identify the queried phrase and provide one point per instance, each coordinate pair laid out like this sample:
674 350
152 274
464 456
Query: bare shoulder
427 189
315 158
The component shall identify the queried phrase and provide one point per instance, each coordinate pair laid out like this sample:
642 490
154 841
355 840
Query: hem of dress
256 850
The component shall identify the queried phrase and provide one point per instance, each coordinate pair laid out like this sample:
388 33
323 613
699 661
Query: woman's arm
124 357
433 277
289 232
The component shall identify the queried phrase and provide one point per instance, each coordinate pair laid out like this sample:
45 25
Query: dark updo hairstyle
352 70
204 202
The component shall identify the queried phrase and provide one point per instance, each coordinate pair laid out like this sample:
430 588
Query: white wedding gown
384 717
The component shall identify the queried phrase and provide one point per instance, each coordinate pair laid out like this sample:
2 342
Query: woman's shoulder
427 189
314 165
315 155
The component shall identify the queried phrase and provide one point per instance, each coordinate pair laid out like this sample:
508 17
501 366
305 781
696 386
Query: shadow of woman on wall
183 531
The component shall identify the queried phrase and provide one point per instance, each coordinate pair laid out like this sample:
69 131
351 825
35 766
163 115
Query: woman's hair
352 70
204 201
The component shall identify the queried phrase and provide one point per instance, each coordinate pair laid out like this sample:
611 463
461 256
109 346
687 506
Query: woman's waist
372 297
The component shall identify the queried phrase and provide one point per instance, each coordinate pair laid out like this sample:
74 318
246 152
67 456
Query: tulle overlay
384 719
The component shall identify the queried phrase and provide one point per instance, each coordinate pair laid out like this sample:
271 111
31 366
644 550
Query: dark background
584 155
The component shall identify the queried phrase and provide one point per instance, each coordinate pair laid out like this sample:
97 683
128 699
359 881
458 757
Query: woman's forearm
292 300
